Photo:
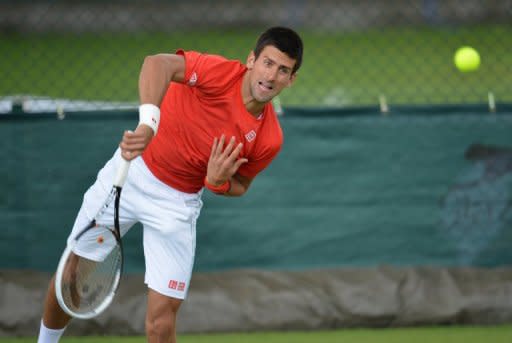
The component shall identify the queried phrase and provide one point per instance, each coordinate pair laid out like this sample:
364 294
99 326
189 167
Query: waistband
139 171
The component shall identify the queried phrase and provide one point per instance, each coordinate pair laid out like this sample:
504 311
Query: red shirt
207 105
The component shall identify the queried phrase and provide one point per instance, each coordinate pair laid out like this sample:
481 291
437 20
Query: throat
254 108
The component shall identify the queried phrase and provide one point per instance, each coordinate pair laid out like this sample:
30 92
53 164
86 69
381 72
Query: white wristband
149 115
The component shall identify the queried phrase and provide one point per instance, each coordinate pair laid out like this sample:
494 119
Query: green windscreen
347 189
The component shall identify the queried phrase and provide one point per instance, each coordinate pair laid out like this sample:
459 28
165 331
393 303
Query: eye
284 71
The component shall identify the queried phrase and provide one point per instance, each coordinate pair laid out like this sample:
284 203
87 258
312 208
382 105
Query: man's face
270 73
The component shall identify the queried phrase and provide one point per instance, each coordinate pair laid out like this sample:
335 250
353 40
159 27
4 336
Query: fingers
231 160
218 149
220 146
235 153
239 162
130 137
214 147
132 145
130 155
229 148
224 159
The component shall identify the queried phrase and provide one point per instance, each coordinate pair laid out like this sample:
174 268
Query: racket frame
114 196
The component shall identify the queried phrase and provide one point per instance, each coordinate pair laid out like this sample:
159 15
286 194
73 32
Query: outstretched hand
133 143
223 162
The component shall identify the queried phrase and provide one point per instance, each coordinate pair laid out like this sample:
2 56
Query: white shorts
168 217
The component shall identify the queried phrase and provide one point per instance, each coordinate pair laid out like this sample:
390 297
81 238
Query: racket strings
87 284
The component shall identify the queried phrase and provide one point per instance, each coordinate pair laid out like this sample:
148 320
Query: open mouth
265 86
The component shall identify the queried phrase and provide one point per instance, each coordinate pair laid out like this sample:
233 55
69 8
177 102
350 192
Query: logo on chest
250 136
193 79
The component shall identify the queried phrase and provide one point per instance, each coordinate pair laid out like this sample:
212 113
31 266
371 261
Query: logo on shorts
177 285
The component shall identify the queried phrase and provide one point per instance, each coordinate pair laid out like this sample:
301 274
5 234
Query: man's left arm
239 185
222 176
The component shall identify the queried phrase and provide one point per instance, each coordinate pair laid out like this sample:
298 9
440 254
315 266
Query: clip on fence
492 103
384 109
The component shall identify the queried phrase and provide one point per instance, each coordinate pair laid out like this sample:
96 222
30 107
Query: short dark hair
283 38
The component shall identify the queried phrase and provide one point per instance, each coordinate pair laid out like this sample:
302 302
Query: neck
253 106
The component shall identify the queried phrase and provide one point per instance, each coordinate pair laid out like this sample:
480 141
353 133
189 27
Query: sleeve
211 74
256 166
270 147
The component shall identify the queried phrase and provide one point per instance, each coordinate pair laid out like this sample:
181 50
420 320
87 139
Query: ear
250 60
293 77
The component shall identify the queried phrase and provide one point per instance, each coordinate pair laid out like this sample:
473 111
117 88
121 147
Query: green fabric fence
414 187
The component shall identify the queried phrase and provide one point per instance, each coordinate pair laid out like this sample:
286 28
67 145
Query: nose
271 74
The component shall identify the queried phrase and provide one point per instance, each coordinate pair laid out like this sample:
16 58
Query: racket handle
121 173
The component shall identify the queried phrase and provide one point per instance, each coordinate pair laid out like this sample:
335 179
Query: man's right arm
155 75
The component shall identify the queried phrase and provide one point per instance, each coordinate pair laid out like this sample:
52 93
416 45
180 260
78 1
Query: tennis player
205 122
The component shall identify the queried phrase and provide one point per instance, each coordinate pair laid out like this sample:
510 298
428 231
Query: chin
264 99
261 98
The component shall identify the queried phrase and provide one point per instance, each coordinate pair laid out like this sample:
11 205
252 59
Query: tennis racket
90 268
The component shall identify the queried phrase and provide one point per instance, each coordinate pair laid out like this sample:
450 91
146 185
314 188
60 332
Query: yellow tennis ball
466 59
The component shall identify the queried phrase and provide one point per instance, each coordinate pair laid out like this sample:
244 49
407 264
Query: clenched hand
133 143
